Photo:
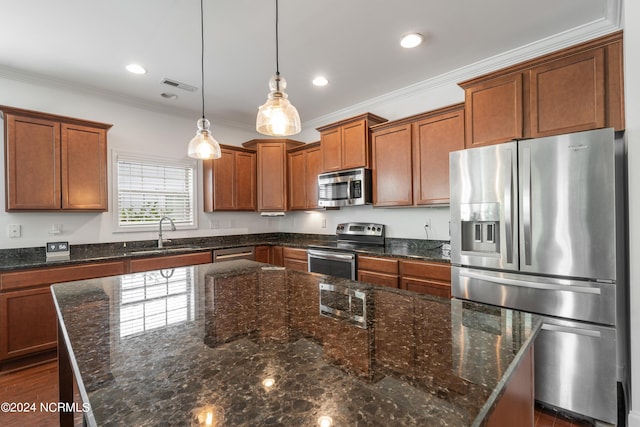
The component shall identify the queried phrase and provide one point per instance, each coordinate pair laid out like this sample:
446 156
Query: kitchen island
243 343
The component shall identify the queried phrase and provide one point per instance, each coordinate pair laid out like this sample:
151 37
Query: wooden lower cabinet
417 276
295 259
28 331
426 277
263 254
171 261
516 405
378 271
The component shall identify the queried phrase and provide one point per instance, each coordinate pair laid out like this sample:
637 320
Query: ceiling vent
175 83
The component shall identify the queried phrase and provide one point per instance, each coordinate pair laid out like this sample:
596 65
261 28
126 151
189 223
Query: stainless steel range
339 258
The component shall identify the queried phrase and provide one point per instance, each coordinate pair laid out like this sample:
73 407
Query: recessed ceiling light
167 95
136 69
411 40
320 81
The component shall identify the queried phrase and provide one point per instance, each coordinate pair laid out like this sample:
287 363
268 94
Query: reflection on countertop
247 344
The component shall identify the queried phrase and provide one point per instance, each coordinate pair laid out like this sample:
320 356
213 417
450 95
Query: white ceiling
354 43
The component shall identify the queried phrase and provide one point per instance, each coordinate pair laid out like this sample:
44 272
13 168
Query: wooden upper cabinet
568 95
54 163
345 144
494 111
433 139
272 185
574 89
84 168
391 170
305 163
230 181
410 163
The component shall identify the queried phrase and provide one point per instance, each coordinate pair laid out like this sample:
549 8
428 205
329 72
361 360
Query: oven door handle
330 255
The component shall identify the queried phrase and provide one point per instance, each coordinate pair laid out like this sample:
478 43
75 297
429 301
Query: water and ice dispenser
480 227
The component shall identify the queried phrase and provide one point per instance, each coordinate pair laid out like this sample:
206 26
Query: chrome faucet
160 239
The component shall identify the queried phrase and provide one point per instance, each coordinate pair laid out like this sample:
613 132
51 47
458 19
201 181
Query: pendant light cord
277 44
202 52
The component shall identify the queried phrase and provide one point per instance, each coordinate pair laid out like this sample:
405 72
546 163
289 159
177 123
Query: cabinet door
313 169
224 174
33 163
494 111
297 184
262 254
355 150
568 95
431 287
331 146
245 181
277 255
27 322
434 138
272 183
392 176
84 168
379 279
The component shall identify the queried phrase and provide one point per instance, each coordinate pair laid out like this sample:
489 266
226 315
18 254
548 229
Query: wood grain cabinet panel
426 277
27 322
54 163
346 144
391 170
295 259
433 139
230 181
378 271
272 173
494 111
305 163
568 95
574 89
170 261
410 165
263 254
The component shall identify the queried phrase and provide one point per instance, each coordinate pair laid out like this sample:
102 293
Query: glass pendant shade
203 145
277 116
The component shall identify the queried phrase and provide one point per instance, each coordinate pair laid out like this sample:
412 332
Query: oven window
344 269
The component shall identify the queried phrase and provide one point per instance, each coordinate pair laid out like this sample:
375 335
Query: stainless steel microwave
344 188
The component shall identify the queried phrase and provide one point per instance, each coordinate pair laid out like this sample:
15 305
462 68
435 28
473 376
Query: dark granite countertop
23 258
245 344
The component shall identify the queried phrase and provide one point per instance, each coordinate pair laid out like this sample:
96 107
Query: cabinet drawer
426 270
157 263
431 287
295 253
296 264
379 279
48 276
380 265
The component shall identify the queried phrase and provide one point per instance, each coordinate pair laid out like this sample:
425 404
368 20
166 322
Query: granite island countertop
34 257
247 344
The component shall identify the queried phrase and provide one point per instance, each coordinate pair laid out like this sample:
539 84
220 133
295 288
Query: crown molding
610 22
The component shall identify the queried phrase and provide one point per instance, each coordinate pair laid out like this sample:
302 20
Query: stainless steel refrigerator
539 225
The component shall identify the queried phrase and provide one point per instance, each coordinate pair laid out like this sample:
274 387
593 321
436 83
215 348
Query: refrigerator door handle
530 284
526 202
508 211
574 331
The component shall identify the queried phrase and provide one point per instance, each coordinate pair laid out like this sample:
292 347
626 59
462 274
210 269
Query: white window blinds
147 190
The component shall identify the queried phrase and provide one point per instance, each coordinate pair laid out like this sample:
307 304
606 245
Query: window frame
117 155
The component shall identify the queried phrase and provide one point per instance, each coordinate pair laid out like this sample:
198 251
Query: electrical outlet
324 222
13 230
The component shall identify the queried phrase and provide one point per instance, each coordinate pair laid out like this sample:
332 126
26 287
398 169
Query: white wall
136 130
632 111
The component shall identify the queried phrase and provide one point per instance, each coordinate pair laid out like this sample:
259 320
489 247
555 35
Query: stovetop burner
356 235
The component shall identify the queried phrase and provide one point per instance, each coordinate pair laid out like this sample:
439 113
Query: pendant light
203 145
277 116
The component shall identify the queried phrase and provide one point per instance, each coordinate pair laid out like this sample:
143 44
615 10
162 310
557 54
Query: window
146 189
